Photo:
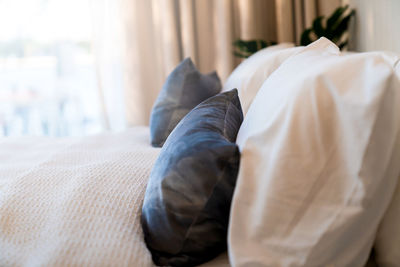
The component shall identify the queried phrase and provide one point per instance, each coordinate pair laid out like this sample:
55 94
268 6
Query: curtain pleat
224 36
327 7
299 18
284 20
169 29
204 20
310 12
188 29
140 60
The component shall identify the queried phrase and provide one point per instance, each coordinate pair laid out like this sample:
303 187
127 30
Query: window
48 83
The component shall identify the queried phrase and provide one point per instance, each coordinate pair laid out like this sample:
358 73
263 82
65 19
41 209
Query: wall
376 26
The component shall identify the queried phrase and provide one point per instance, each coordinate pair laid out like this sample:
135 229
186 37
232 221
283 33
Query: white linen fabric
253 71
75 201
387 243
319 162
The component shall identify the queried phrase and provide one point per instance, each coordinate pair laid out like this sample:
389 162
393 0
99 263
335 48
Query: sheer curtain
142 41
107 40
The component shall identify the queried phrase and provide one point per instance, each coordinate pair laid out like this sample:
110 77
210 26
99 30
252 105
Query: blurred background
48 81
79 67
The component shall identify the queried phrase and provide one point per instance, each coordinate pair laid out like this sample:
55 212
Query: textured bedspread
74 201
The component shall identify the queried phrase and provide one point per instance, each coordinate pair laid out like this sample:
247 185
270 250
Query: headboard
376 26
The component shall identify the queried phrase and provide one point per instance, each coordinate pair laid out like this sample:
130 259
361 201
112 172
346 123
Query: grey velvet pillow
184 89
186 206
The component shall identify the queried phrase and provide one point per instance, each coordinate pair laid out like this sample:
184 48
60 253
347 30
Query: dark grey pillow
186 206
184 89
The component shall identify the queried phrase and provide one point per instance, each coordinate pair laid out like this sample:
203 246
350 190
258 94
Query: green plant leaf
336 26
237 54
305 37
342 27
245 49
241 45
263 44
252 46
343 44
317 27
335 17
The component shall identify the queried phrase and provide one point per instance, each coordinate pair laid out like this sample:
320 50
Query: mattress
75 201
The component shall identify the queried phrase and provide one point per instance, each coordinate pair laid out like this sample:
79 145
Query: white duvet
75 201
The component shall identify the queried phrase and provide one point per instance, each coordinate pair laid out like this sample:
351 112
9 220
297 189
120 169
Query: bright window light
48 82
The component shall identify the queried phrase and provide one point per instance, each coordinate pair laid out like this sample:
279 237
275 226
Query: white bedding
75 201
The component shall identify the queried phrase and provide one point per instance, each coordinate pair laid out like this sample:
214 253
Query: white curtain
139 42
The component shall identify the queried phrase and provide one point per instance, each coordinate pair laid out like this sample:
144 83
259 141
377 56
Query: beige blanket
75 201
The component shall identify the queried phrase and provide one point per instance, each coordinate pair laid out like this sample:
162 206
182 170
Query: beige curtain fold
158 34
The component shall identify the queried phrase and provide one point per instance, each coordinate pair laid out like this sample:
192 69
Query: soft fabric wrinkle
313 161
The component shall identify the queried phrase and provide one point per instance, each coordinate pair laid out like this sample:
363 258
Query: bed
75 201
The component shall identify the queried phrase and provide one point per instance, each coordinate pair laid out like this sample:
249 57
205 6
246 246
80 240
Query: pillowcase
253 71
186 207
387 243
184 89
317 170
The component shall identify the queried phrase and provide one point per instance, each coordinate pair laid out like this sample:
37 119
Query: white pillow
252 72
319 162
387 243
